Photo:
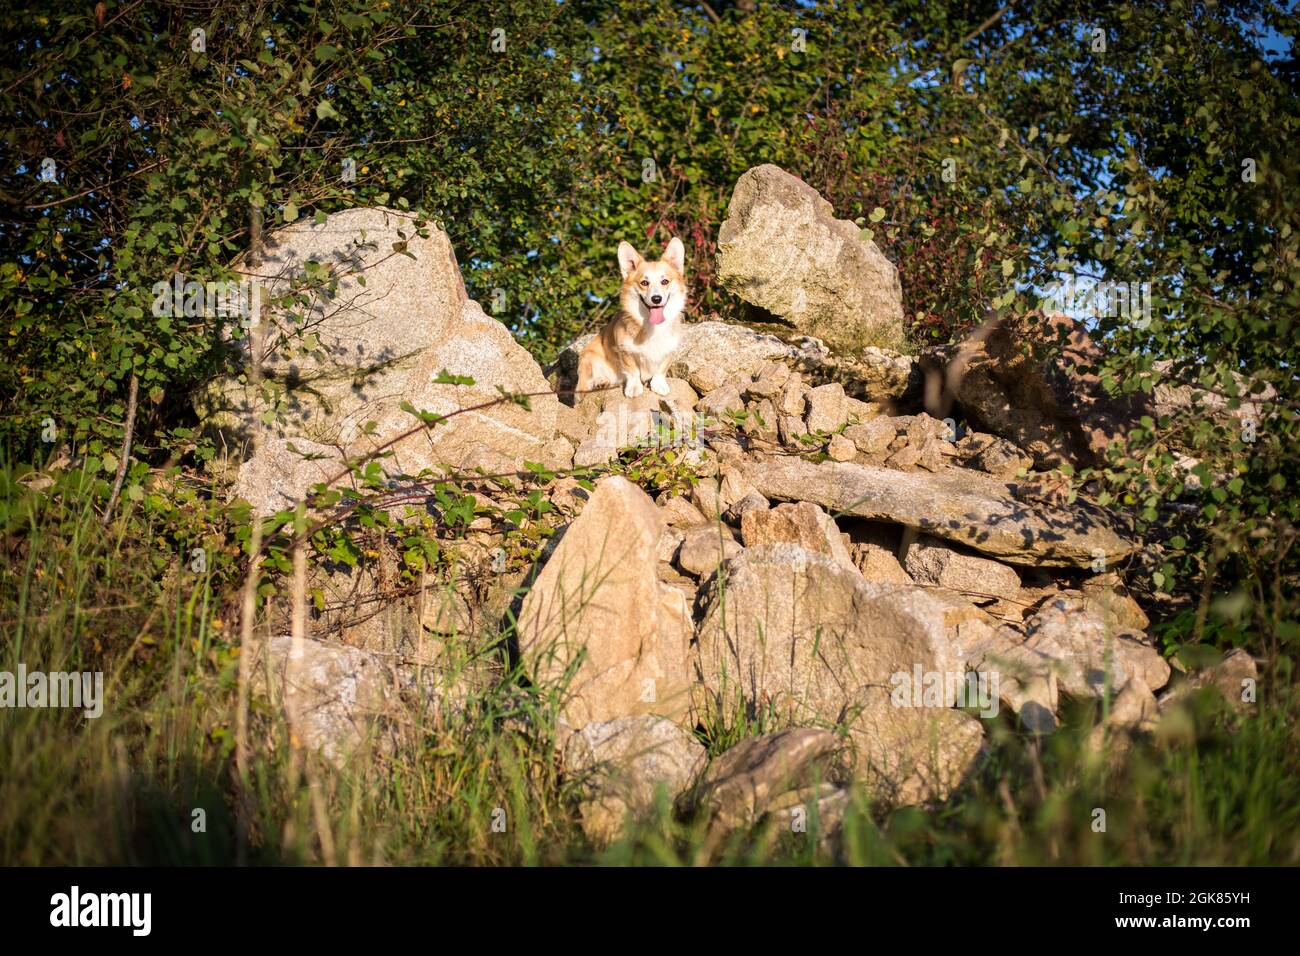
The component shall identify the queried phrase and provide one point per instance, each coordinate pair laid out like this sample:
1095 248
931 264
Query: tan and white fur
637 345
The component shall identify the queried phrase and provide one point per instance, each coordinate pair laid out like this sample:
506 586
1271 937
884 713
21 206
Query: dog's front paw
659 385
633 388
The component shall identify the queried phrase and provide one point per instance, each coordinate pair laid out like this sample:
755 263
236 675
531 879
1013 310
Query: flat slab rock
966 507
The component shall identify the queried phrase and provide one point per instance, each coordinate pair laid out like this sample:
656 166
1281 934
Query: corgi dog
637 345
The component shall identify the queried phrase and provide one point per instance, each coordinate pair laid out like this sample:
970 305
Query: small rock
909 456
790 429
733 488
827 408
568 495
792 396
680 513
1035 702
669 542
727 449
1106 597
1135 707
624 766
703 549
919 427
1134 710
932 457
761 421
722 402
770 381
1188 465
841 449
860 411
752 501
1235 677
803 524
704 495
930 561
997 456
873 435
742 784
878 564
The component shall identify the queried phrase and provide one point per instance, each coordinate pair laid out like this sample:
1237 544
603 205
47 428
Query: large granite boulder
376 287
598 620
795 636
782 249
385 315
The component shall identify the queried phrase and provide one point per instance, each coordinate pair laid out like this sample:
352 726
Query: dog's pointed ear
675 254
628 258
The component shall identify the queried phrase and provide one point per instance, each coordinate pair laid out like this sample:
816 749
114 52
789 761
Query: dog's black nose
656 299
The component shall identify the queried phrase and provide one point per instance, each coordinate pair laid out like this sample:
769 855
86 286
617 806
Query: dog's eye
663 281
645 281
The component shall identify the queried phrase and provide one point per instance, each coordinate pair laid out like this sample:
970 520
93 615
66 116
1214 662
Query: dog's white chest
654 352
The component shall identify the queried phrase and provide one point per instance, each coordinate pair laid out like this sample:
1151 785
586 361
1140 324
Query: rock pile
842 567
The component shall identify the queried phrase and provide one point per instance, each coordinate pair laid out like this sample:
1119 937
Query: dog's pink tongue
656 314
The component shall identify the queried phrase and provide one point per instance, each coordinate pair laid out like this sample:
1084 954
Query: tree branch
126 450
